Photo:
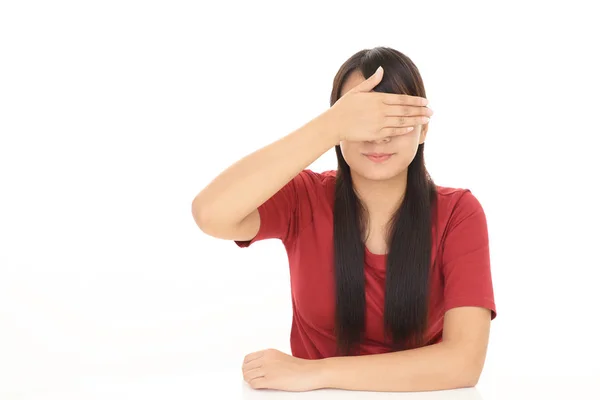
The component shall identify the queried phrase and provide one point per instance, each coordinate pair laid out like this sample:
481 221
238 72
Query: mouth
378 157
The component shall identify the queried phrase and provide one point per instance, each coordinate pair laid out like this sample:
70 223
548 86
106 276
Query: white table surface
227 383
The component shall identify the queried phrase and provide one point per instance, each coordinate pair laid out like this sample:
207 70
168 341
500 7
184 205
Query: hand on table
273 369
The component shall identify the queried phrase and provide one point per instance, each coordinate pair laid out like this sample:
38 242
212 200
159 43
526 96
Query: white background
115 114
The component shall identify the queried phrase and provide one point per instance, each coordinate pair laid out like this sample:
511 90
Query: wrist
320 368
328 128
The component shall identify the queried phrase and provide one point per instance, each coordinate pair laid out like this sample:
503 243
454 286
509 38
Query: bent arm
455 362
227 207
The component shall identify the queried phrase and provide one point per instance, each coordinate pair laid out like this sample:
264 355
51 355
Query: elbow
467 367
463 381
464 373
200 214
470 377
209 218
475 375
471 381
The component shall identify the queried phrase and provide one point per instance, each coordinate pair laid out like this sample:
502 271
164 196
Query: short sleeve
289 210
466 257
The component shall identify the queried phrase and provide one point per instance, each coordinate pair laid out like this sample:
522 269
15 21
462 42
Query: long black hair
410 229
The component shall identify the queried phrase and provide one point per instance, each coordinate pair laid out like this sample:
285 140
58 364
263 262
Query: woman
390 273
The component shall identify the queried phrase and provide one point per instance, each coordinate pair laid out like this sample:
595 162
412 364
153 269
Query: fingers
252 365
403 110
394 131
259 383
370 82
404 122
402 99
253 374
253 356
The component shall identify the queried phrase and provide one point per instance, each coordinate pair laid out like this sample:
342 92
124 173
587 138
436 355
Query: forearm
435 367
252 180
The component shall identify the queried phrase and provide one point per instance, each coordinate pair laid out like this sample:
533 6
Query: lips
378 157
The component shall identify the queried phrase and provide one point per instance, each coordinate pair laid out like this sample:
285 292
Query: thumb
370 82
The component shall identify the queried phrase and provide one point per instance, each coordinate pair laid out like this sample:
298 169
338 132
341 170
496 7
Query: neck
381 198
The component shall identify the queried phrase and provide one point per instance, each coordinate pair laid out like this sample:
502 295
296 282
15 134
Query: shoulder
315 191
316 180
456 196
311 189
455 204
317 177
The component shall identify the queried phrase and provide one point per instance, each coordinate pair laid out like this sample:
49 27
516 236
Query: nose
382 140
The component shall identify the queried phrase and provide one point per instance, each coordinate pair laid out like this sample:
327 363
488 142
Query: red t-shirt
301 216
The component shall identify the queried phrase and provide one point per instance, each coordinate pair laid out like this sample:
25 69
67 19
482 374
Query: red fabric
301 216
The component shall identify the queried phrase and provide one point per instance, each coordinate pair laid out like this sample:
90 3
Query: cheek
352 153
408 145
408 140
350 150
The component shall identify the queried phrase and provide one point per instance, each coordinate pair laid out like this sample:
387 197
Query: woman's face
403 147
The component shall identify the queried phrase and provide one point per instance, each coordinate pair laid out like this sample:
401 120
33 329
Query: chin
378 174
